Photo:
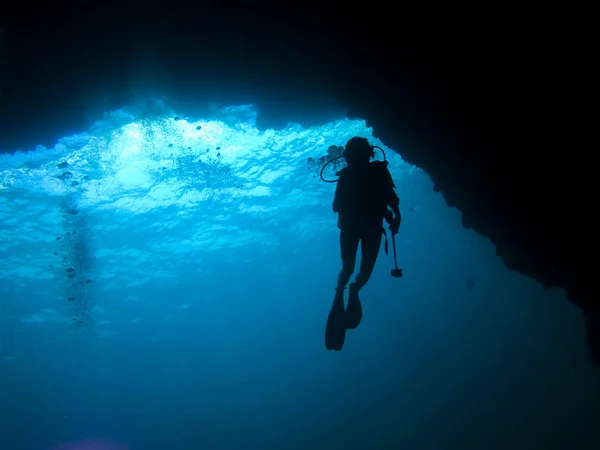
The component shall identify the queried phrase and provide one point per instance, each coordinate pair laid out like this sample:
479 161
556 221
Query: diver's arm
395 205
393 200
338 194
336 200
397 220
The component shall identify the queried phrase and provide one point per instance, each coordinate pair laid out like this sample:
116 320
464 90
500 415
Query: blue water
165 282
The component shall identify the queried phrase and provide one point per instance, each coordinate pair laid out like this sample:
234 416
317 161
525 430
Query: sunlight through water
181 184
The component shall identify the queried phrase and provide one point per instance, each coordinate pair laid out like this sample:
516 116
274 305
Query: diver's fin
354 309
335 332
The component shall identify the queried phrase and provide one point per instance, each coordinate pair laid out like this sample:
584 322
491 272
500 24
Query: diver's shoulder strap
382 168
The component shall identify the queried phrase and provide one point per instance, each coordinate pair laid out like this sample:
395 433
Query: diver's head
358 151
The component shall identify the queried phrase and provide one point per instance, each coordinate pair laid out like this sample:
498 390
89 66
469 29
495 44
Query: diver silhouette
363 198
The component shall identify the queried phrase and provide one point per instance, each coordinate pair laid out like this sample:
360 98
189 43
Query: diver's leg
349 247
370 244
335 330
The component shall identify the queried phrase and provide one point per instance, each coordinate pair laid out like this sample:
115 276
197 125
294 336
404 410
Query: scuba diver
363 196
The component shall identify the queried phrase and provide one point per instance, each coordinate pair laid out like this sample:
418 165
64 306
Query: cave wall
476 104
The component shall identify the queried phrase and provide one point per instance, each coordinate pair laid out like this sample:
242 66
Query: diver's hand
395 224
